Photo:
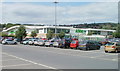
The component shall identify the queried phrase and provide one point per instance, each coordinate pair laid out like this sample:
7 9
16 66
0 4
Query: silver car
8 41
39 42
31 41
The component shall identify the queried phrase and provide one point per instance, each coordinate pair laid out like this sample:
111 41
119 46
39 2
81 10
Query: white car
8 41
39 42
49 43
31 41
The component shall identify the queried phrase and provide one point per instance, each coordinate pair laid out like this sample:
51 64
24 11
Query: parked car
8 41
25 39
74 44
39 42
65 43
25 42
112 47
104 42
49 43
88 45
31 41
56 42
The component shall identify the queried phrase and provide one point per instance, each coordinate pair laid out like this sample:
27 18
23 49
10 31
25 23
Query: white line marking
91 52
8 59
30 61
16 65
115 59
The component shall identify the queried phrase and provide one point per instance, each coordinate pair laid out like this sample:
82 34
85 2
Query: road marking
30 61
71 53
8 59
16 65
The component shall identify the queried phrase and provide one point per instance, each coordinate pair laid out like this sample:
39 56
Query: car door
118 46
8 41
92 45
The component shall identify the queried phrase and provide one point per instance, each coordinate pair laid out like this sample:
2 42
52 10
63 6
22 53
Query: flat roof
38 27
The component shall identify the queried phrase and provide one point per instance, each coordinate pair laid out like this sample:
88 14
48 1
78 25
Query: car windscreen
110 43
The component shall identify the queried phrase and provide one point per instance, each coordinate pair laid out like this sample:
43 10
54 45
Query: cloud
34 13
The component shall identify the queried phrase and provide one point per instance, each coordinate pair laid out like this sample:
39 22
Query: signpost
12 32
80 31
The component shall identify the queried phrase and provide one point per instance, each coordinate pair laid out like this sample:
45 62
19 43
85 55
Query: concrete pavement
39 57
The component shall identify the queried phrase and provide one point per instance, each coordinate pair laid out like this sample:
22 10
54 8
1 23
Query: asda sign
12 32
80 31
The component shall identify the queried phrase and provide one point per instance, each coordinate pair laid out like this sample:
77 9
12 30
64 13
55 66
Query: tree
61 34
3 34
50 34
21 33
33 33
117 33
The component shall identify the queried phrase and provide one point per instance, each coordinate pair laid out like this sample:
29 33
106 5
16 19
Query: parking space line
90 52
100 56
17 65
9 59
30 61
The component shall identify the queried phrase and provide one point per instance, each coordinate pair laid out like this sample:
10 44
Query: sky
67 12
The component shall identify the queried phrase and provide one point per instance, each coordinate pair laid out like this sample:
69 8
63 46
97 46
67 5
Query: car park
89 45
8 41
112 47
74 44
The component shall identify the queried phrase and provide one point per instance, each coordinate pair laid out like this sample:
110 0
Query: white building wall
41 31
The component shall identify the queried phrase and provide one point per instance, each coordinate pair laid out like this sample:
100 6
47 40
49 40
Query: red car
74 44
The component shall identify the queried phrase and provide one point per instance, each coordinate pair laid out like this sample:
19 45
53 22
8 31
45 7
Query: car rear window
9 40
82 42
110 43
118 44
73 42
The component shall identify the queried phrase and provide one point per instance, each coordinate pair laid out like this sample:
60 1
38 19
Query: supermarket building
43 30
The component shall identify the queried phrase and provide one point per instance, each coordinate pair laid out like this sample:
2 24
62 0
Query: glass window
110 43
51 29
45 30
118 44
110 33
58 30
66 30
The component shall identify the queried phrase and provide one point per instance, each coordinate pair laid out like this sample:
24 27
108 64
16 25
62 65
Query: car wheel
116 51
87 48
15 43
27 43
106 51
98 48
5 43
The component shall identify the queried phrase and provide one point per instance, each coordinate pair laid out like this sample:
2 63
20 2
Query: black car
65 43
89 45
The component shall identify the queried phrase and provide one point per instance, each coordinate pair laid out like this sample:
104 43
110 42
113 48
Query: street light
55 17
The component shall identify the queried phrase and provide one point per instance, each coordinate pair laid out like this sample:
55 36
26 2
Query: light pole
55 17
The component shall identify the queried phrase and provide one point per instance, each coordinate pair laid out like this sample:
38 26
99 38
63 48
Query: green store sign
12 32
80 31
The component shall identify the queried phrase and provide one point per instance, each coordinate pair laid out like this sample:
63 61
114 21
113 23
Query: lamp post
55 17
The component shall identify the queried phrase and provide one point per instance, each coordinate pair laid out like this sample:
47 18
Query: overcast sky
67 12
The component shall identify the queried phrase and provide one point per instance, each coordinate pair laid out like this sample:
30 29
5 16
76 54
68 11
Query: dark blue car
89 45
